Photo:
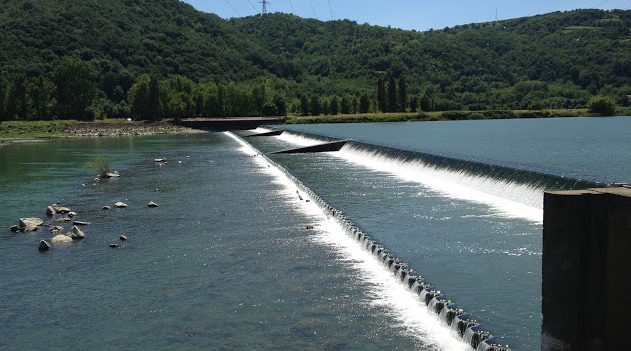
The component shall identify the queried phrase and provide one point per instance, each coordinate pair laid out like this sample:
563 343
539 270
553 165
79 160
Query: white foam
385 291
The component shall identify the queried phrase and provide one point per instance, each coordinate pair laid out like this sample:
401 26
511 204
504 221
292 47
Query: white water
507 198
385 291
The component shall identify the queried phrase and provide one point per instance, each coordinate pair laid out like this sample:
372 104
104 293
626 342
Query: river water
226 261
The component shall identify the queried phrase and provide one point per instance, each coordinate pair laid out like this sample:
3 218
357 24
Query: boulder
15 228
30 224
106 207
152 204
120 204
60 209
60 239
123 238
72 214
50 211
76 233
56 229
44 246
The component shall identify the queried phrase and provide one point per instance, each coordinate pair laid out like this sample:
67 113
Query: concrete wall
586 286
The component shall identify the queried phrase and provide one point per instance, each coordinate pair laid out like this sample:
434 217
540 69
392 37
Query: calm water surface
224 263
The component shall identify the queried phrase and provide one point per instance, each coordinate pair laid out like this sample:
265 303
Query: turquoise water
584 148
226 261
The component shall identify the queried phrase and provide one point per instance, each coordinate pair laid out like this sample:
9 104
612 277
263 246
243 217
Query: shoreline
40 131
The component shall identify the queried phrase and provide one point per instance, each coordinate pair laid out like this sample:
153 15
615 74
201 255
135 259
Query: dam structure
507 191
448 314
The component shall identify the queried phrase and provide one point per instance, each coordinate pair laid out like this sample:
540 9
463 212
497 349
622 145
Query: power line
255 9
264 10
331 10
292 7
233 9
313 9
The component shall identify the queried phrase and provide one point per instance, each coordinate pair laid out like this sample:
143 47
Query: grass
33 129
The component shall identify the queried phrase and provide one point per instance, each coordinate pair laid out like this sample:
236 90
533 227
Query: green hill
206 65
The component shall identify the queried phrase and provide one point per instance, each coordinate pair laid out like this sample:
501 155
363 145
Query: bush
100 164
602 105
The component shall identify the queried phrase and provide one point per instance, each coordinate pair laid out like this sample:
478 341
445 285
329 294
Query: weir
462 326
326 147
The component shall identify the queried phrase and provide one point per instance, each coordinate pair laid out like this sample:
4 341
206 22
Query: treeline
203 65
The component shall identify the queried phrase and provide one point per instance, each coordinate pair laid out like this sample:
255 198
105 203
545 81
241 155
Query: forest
156 59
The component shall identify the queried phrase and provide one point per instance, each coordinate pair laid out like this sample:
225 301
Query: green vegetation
602 105
156 59
100 164
33 129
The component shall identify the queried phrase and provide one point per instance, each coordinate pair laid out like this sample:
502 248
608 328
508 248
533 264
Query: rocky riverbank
30 131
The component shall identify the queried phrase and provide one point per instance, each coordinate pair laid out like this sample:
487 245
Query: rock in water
123 238
153 204
62 220
61 239
50 211
112 175
15 228
44 246
120 204
76 233
30 224
106 207
72 214
113 245
80 223
56 229
60 209
309 227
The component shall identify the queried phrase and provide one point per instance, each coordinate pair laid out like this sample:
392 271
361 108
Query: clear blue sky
406 14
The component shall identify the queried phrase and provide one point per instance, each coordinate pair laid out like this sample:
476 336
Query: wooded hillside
199 64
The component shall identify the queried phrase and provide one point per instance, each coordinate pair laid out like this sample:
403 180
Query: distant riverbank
42 130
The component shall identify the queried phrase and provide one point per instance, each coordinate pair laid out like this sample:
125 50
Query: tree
603 105
17 104
414 103
403 95
75 83
4 85
38 92
392 95
364 103
138 97
316 108
334 106
304 105
345 105
281 105
381 96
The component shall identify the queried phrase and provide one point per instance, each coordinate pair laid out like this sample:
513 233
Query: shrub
602 105
100 164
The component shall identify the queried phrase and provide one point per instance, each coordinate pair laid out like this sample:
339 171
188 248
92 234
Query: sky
405 14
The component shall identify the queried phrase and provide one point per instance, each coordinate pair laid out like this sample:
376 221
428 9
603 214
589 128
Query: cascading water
424 293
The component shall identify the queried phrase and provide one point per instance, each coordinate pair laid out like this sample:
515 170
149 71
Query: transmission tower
264 11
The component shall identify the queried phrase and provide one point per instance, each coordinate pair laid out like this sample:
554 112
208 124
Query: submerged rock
112 175
152 204
44 246
120 204
62 220
113 245
56 229
58 239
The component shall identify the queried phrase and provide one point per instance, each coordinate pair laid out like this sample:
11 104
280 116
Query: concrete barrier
586 268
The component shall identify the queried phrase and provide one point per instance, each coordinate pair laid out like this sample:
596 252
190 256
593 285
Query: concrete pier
586 286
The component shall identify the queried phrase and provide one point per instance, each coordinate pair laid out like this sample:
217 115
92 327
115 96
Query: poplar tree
403 95
75 83
392 95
